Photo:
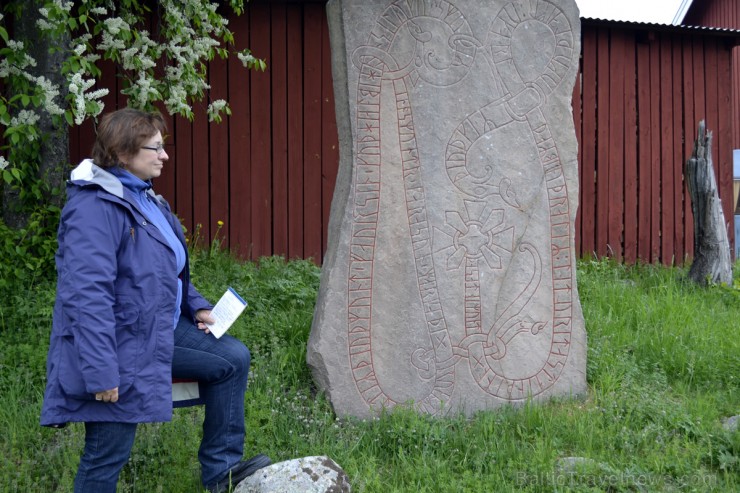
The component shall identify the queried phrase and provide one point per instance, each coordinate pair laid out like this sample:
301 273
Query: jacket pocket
70 376
128 338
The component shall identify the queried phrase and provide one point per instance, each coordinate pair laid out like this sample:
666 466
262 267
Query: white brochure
226 311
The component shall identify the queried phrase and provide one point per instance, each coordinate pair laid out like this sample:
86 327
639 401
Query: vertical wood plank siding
722 14
641 96
268 170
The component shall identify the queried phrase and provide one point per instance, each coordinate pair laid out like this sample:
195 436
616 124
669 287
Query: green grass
663 372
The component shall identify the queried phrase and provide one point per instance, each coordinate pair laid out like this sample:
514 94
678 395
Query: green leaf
4 34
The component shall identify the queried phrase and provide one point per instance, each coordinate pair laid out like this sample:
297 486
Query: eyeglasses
159 148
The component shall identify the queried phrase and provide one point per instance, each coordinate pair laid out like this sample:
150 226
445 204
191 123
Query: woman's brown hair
122 133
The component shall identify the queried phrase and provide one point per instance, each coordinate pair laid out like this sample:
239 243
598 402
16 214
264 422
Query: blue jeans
221 366
107 447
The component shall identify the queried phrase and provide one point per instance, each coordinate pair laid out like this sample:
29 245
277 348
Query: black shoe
239 472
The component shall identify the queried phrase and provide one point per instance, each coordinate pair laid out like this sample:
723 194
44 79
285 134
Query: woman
127 320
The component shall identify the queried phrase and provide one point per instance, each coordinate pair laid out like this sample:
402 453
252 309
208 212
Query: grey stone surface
731 423
449 282
317 474
573 465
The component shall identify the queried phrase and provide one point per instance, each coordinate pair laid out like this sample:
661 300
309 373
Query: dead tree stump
712 261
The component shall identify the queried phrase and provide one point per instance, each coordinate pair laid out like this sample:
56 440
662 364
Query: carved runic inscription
478 185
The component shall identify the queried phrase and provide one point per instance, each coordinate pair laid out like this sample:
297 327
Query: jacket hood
88 173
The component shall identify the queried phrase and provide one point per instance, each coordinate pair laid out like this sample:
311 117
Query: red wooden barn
268 171
722 14
718 14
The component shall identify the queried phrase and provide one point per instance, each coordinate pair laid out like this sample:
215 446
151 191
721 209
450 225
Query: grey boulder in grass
316 474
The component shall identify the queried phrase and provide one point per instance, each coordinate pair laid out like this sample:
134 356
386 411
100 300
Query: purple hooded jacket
115 303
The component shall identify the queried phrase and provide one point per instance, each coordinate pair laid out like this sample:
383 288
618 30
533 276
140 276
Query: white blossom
91 96
143 90
109 42
177 101
3 162
83 39
77 88
5 68
65 6
50 91
28 61
44 25
16 46
128 56
114 25
215 108
246 57
24 117
18 67
190 32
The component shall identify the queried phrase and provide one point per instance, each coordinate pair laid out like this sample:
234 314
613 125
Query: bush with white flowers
169 65
160 48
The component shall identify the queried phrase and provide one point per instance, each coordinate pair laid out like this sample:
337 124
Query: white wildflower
4 163
98 11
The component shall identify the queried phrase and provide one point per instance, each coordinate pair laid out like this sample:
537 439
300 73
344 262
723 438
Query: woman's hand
107 395
204 317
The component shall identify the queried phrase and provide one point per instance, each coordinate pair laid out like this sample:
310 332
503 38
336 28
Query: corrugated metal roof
668 27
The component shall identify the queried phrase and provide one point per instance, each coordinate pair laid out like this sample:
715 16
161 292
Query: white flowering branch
169 65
